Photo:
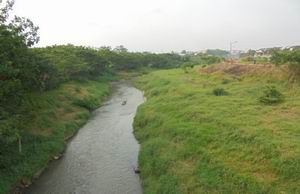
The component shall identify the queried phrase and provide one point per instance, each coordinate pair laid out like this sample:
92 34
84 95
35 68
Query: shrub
220 92
186 66
88 103
271 96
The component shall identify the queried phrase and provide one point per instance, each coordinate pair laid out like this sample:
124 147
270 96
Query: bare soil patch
247 69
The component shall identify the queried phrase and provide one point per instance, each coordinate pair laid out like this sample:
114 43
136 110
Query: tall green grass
193 141
54 116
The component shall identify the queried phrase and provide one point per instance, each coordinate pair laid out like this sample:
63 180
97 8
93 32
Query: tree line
292 58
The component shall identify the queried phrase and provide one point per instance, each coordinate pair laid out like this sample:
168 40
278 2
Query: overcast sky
165 25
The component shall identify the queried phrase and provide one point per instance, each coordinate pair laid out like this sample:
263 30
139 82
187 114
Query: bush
88 103
271 96
186 66
220 92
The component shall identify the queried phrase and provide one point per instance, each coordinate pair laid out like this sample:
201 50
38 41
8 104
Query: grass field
54 117
193 141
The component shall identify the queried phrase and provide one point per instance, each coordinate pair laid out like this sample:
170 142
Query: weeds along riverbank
203 132
55 116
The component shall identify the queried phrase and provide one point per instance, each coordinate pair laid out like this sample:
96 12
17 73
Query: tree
218 53
251 53
19 71
120 49
291 58
206 59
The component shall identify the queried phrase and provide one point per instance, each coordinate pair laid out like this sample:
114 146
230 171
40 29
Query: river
101 157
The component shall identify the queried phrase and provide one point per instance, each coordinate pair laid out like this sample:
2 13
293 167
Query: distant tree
286 57
217 53
120 48
251 53
183 52
201 59
291 58
108 48
69 62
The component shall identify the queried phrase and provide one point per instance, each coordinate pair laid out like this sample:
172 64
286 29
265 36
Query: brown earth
247 69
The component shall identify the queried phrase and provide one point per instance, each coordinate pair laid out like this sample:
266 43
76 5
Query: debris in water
124 102
25 183
136 170
57 157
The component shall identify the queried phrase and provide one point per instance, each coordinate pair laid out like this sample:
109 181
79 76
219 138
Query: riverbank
56 116
102 156
204 132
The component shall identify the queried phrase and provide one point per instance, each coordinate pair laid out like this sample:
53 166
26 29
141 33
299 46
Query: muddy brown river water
101 157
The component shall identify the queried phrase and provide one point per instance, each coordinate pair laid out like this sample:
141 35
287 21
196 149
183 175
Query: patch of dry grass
270 70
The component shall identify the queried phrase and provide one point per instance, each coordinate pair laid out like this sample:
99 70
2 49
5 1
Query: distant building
292 48
263 53
266 52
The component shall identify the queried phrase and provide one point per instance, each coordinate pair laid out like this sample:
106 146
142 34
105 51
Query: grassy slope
195 142
57 115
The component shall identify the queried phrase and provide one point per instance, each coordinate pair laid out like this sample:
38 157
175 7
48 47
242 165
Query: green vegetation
200 133
205 59
195 142
37 107
286 57
252 59
291 58
54 116
220 92
218 53
187 66
47 93
271 96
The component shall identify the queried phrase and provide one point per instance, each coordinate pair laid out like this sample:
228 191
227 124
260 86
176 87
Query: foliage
289 57
220 92
53 117
205 59
32 84
192 142
271 96
127 60
251 53
292 58
25 70
218 53
19 69
68 62
186 66
88 103
252 59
